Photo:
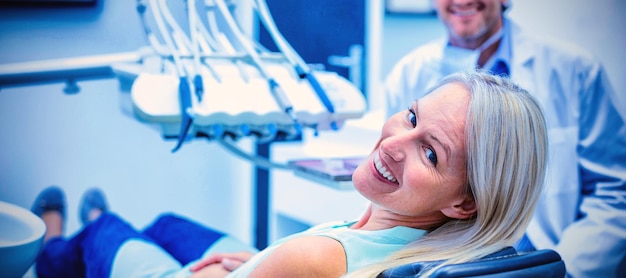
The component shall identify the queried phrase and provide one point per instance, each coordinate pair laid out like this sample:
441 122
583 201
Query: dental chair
504 263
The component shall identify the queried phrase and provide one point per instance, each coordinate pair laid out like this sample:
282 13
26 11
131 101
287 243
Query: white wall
598 26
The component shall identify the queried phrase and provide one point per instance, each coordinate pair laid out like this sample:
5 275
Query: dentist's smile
466 10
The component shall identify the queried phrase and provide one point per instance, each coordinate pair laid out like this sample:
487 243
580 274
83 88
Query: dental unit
212 80
249 90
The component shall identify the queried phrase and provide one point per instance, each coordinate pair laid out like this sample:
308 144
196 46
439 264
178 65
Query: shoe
92 199
50 199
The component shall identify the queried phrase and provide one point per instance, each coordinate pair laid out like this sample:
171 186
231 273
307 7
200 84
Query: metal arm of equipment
64 70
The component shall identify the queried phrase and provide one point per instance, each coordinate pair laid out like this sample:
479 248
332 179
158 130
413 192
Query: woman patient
454 177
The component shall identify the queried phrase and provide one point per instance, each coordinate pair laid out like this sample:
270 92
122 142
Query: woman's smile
382 170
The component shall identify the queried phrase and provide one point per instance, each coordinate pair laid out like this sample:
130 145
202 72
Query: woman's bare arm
310 256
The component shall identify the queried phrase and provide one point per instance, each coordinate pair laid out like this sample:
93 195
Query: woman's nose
397 145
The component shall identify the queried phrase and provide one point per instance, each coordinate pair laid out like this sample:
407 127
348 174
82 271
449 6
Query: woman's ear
462 209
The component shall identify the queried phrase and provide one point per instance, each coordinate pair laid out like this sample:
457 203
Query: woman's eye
431 155
412 117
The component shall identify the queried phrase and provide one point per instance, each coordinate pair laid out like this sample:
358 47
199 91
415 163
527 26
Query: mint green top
362 247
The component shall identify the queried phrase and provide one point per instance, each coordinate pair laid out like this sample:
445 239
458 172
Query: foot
50 199
50 207
92 205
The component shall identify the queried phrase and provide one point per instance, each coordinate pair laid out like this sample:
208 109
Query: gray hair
506 145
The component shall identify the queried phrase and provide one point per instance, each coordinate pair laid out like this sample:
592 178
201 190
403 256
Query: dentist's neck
487 48
486 53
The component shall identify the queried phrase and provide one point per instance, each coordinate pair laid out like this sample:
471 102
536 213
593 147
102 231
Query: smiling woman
498 139
441 183
417 170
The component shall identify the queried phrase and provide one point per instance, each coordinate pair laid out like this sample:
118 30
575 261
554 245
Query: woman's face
417 169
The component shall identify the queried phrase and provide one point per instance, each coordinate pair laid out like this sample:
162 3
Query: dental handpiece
281 99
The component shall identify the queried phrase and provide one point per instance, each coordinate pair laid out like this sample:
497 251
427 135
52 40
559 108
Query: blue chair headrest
504 263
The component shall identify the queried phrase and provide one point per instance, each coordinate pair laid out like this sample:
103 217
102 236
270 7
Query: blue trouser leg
60 258
89 253
183 239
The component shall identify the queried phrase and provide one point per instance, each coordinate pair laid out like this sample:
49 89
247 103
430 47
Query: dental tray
242 104
332 172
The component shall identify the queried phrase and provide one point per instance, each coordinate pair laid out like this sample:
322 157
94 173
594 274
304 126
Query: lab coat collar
524 51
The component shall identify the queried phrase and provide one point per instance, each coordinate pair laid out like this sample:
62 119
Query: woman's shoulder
321 256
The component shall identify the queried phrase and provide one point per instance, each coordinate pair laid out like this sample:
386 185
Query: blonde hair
506 144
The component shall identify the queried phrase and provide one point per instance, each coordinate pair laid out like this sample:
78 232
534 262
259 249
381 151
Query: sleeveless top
362 247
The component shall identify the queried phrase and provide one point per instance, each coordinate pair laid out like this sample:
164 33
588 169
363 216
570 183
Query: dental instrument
275 88
183 85
301 68
195 45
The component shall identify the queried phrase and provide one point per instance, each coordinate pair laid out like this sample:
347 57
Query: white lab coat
582 214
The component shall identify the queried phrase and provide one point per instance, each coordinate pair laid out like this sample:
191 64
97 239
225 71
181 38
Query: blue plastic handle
319 91
197 82
185 102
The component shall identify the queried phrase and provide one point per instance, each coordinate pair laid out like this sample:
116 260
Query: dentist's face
418 169
470 22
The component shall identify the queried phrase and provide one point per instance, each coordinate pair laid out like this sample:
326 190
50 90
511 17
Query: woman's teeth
382 170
